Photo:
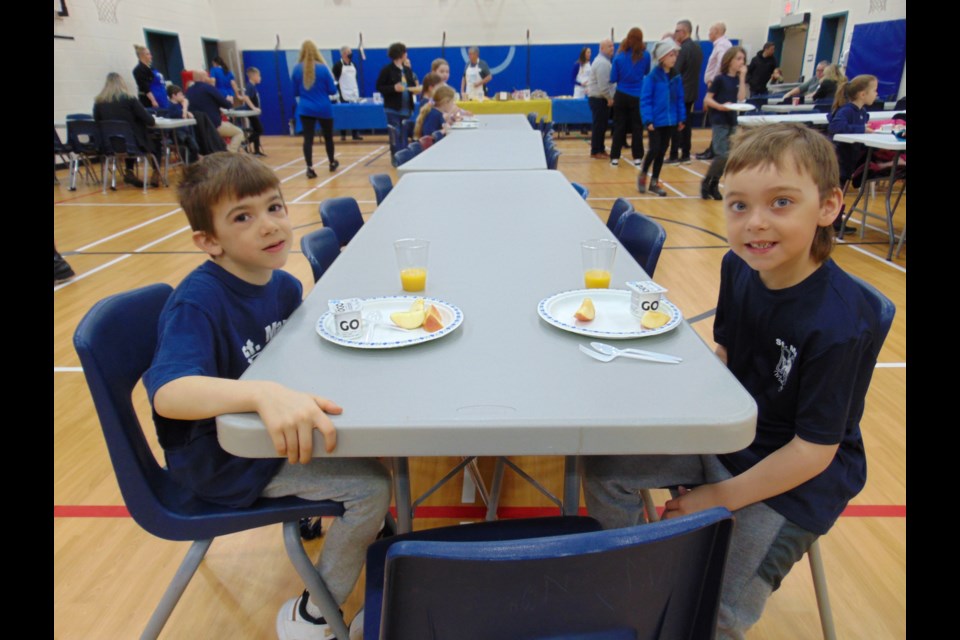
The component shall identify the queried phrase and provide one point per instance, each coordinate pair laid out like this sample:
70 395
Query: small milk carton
645 296
347 318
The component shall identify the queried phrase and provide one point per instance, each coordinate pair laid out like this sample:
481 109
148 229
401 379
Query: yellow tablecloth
543 108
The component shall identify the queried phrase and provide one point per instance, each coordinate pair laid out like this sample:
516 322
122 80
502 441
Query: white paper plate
466 124
614 320
378 337
740 106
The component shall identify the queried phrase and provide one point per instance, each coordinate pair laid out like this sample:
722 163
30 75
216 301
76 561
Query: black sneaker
131 179
62 271
706 155
357 137
657 189
333 165
673 160
311 173
685 160
715 191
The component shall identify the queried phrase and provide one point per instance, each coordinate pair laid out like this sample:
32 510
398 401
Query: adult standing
689 61
345 73
476 77
314 84
581 73
718 36
630 65
114 102
223 79
810 86
761 69
206 99
151 89
600 92
395 84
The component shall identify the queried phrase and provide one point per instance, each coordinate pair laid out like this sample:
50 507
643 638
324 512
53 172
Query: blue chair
553 159
396 144
381 186
321 248
403 156
343 216
643 238
415 147
438 136
116 341
532 119
119 141
83 136
620 207
582 190
62 151
79 116
651 581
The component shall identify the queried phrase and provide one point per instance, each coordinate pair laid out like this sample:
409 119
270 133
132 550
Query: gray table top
504 382
482 150
809 118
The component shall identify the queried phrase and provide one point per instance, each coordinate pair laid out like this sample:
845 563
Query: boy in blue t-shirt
211 329
252 98
179 109
798 334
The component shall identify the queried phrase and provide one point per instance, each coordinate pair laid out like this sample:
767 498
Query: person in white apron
345 73
582 71
475 77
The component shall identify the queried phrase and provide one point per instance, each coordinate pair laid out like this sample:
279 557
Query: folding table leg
571 486
401 494
494 502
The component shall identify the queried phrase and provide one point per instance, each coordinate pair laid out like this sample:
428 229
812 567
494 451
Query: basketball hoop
878 5
107 10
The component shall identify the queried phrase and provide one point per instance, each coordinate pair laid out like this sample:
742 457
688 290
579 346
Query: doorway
832 30
167 58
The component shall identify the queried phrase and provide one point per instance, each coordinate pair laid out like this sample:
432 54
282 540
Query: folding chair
415 147
321 248
553 159
381 186
120 143
530 581
83 136
343 216
62 151
116 341
402 157
643 238
582 190
620 207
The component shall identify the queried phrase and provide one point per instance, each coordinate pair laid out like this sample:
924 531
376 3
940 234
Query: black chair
62 151
321 248
393 133
651 581
643 238
381 186
620 207
343 216
79 116
116 341
84 138
120 143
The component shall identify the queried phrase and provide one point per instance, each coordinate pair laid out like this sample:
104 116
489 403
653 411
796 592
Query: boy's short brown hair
252 70
173 89
217 176
811 152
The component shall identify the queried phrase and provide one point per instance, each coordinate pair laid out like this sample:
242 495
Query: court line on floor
118 204
87 274
891 365
67 369
874 256
335 176
126 231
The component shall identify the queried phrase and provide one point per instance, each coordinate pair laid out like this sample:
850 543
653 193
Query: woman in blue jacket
630 65
314 84
661 100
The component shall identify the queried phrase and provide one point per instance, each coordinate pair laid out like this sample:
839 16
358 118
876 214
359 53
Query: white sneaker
294 623
356 626
614 162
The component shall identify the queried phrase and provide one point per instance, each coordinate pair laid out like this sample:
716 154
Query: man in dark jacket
397 84
761 69
689 62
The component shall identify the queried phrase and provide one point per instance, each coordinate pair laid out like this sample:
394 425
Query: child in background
798 333
730 85
252 98
436 117
210 330
849 115
661 102
442 68
179 110
430 82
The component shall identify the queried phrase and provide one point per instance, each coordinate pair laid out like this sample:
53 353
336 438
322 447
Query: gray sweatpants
763 548
363 486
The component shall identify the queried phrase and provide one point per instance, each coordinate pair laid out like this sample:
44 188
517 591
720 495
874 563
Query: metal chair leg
308 573
649 506
175 589
495 488
820 588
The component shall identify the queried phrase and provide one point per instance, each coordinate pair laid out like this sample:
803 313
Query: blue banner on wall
879 49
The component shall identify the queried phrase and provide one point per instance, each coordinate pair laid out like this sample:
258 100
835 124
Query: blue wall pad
880 49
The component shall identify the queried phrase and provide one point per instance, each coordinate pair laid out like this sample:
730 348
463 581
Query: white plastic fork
596 355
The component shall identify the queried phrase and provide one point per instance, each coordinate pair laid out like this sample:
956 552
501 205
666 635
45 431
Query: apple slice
654 319
586 312
417 305
408 319
433 321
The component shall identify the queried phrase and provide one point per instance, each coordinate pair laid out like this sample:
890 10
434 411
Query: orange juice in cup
413 279
596 279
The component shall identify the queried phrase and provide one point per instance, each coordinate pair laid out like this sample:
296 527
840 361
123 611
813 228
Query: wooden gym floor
109 574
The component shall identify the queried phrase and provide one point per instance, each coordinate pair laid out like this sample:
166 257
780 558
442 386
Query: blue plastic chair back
58 146
884 311
403 156
582 190
343 216
116 341
415 147
532 119
321 248
647 582
79 116
517 529
438 136
553 159
394 135
643 238
620 207
381 186
118 137
84 136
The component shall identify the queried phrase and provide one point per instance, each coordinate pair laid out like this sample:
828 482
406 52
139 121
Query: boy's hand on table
291 416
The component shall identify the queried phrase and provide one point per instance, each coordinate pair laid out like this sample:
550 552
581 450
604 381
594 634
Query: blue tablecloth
360 115
571 111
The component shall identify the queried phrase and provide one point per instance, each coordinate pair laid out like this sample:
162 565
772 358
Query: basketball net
107 10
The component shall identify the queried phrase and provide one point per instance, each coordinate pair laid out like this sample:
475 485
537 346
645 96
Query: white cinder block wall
80 65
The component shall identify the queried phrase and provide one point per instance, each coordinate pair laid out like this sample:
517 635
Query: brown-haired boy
798 334
212 328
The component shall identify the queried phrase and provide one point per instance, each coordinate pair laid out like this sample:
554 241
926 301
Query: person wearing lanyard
476 76
397 84
151 89
346 75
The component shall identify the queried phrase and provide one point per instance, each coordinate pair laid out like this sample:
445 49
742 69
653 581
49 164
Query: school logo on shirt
788 354
251 350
